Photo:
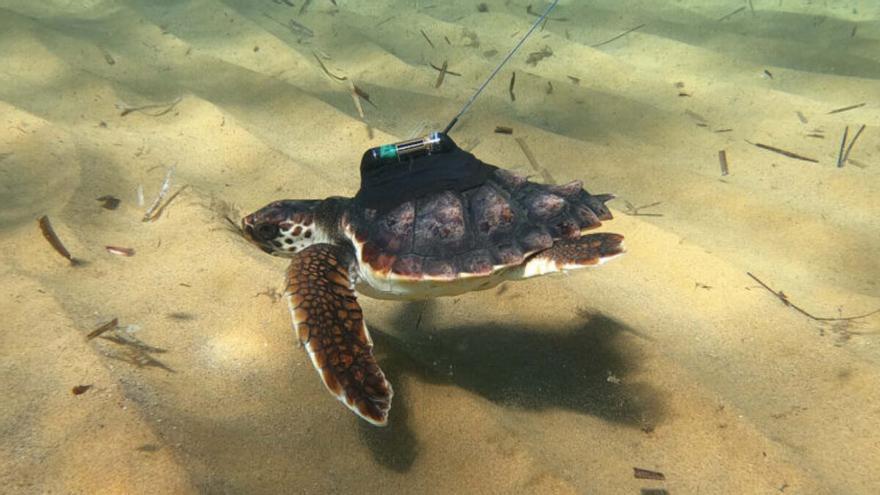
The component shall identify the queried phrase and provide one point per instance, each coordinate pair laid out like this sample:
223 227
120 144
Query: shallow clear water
671 359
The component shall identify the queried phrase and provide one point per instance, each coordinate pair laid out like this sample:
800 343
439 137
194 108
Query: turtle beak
247 229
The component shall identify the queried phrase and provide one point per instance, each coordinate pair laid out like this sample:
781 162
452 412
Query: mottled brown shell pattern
473 233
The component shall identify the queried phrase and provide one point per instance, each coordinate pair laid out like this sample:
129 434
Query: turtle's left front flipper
330 324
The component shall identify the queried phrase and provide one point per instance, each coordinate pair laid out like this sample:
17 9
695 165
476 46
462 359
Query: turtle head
283 228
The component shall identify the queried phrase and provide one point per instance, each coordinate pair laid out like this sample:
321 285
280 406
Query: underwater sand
670 359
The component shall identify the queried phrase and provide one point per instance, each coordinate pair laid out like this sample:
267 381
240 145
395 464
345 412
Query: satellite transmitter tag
437 142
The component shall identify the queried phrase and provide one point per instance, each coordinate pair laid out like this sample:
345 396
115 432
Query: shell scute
536 240
567 228
408 265
477 262
439 268
508 254
545 205
492 213
509 179
440 225
395 230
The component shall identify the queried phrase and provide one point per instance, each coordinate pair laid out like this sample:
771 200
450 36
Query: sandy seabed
670 359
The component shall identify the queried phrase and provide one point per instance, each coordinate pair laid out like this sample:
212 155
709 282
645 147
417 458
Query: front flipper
329 322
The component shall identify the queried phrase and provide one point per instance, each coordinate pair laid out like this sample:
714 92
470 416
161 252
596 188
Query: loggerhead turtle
437 225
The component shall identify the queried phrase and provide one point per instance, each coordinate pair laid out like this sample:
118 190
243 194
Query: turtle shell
449 234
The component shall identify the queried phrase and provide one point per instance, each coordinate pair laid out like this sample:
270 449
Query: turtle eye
266 231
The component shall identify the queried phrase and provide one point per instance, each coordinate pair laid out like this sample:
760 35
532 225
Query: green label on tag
388 151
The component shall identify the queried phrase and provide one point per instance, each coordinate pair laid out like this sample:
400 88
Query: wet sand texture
670 359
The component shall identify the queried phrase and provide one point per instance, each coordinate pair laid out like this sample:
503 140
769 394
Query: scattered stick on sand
548 179
783 152
510 88
647 474
849 148
110 325
621 35
784 298
722 158
166 184
442 74
120 251
635 211
327 71
164 206
109 202
50 235
363 94
842 146
448 72
426 37
845 109
166 107
356 99
728 16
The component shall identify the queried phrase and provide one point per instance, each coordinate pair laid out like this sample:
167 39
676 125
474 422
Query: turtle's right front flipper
330 324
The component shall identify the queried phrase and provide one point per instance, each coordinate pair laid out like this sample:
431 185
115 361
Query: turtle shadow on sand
580 368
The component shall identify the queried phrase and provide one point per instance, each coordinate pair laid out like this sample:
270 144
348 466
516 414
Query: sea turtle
436 225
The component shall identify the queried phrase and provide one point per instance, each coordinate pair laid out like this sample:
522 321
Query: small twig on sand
327 71
159 210
647 474
621 35
842 145
442 74
363 94
356 100
722 158
850 147
784 298
846 109
356 95
111 325
54 241
510 88
425 35
448 72
633 211
728 16
548 179
783 152
167 107
166 184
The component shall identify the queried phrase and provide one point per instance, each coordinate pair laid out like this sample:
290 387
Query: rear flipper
330 324
570 254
